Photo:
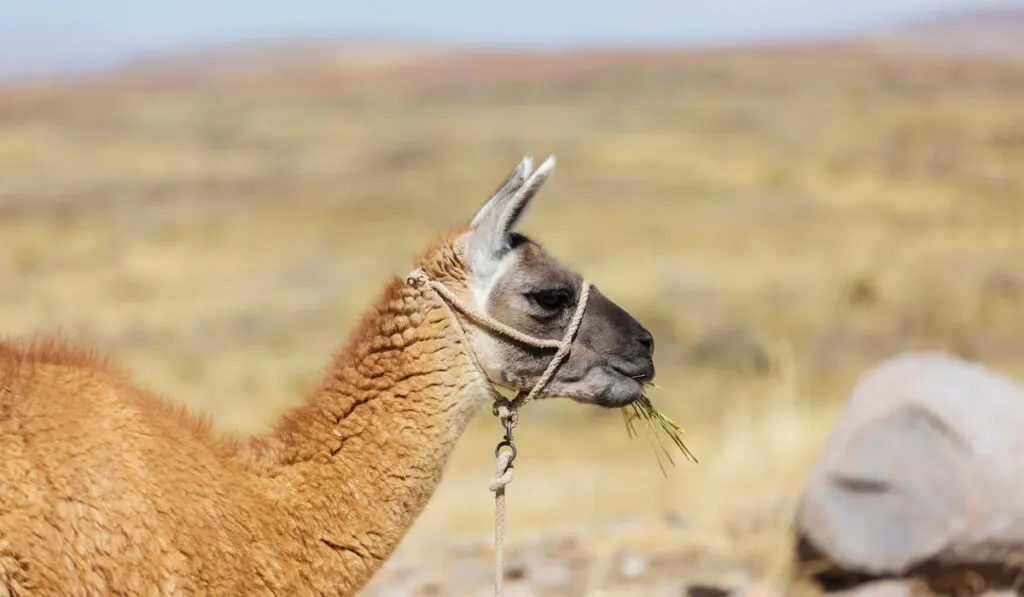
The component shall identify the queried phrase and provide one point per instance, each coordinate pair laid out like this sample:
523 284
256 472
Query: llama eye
554 299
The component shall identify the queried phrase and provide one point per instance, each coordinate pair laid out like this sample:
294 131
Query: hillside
996 33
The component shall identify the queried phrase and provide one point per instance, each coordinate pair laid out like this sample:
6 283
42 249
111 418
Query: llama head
515 281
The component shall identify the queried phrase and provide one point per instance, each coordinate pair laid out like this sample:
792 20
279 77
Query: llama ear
512 184
493 225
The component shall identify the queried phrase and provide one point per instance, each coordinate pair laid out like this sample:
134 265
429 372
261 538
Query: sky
46 35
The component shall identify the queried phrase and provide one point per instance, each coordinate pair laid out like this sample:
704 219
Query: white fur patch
485 272
482 283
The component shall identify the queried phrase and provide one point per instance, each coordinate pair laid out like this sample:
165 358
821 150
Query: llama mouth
628 389
642 375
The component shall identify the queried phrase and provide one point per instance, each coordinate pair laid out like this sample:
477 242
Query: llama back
103 486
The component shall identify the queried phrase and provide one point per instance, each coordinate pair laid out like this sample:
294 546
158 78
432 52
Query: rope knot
506 411
417 278
506 451
503 471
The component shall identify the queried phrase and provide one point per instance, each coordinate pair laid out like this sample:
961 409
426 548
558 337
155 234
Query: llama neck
361 458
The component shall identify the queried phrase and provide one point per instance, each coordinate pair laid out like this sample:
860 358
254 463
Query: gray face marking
518 283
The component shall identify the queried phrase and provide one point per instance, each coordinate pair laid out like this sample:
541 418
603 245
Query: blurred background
785 192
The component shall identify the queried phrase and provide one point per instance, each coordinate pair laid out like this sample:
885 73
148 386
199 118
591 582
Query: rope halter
507 410
504 408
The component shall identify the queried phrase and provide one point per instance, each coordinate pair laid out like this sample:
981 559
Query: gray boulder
924 467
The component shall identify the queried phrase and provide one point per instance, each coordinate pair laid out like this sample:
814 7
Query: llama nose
646 340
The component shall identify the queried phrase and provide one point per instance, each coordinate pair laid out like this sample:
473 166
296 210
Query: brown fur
106 489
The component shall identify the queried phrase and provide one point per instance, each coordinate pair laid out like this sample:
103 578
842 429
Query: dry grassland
781 221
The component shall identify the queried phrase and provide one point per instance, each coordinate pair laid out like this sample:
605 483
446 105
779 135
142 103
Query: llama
107 489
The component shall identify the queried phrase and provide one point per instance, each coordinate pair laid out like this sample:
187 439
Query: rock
631 565
882 588
704 590
925 465
756 589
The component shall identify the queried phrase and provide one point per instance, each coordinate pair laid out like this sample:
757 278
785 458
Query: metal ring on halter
506 444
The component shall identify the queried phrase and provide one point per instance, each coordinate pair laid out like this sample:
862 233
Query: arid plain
780 218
